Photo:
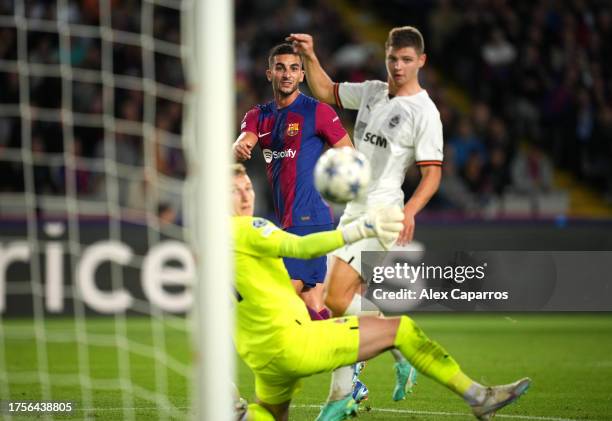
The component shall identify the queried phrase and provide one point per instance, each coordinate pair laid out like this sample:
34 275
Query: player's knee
337 303
338 298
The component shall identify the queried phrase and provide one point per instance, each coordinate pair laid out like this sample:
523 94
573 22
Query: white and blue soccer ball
342 175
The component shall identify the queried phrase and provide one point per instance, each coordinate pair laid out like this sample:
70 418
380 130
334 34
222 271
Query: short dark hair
406 36
280 49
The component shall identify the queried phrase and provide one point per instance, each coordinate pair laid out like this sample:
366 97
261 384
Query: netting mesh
93 100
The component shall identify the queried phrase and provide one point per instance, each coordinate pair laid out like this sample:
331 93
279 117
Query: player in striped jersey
292 132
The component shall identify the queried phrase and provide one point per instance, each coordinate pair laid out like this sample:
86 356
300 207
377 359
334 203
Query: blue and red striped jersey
292 140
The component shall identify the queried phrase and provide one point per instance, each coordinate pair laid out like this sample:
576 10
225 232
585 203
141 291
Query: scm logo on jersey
270 155
375 139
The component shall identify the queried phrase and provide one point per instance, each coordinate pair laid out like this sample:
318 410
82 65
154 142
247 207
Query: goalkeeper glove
384 223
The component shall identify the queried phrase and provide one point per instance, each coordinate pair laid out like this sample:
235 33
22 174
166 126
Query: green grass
568 356
63 356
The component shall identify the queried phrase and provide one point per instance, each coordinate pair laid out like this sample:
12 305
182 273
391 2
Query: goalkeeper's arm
385 224
311 245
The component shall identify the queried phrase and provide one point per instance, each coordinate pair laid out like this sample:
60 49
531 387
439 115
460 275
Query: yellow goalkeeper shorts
308 348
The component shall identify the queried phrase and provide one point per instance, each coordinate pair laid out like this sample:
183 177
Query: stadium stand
526 108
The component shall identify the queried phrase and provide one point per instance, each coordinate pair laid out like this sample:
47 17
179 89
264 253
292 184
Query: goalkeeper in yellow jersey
277 340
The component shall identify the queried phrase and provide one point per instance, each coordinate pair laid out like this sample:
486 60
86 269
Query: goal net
97 195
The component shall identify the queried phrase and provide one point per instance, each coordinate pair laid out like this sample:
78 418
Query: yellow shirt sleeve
263 238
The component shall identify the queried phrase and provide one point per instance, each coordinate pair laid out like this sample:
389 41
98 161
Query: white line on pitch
397 411
451 414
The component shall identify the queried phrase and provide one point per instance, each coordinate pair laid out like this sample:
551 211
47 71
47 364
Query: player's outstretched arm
430 181
243 146
383 223
319 82
261 237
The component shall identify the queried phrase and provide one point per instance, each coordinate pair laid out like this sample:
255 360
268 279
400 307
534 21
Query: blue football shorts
311 271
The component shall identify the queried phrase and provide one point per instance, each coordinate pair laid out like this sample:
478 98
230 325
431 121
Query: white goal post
215 120
110 110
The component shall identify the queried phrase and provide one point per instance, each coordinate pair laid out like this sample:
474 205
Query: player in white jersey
397 126
394 133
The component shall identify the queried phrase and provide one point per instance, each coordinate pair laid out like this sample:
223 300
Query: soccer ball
342 175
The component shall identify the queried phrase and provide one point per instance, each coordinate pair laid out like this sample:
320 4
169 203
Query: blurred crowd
94 151
523 89
538 75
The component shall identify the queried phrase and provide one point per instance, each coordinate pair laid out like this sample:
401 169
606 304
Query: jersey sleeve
328 125
311 245
259 238
263 238
348 95
428 139
250 121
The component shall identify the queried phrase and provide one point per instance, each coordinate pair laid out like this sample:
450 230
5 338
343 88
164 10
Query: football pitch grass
568 356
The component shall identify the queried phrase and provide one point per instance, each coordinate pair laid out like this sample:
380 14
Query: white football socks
476 394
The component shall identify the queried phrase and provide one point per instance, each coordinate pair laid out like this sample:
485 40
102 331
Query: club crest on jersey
394 121
293 129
